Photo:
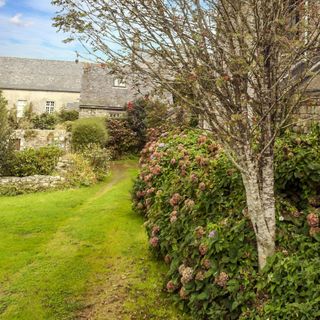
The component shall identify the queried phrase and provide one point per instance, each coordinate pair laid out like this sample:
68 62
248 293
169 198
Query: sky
26 31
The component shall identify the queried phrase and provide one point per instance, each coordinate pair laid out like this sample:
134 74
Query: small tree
5 133
247 64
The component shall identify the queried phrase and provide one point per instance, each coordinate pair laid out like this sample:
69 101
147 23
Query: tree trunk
259 185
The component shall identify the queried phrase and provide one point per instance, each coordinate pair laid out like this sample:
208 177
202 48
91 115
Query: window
50 106
21 108
119 82
115 115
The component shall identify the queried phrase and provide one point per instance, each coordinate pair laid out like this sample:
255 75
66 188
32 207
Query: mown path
79 254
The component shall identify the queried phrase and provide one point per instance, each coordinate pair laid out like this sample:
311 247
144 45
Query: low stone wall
17 185
33 138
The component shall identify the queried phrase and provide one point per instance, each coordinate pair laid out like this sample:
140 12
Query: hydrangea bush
194 203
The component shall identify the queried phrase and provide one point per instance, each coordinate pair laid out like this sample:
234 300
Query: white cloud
2 3
39 40
18 21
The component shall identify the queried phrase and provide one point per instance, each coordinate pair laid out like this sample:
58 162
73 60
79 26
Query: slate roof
40 75
98 90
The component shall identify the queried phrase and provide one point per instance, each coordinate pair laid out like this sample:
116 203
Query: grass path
79 254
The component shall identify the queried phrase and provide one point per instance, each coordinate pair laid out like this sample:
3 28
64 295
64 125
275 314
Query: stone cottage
49 86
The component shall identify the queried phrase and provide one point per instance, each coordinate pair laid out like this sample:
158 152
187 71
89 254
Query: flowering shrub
194 203
122 140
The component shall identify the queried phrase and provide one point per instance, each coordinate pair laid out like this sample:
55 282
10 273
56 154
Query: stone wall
40 138
17 185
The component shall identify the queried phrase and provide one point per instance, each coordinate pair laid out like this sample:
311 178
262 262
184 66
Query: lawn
79 254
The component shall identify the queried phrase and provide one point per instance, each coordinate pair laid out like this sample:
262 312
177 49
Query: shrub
88 131
298 166
99 160
68 115
194 203
80 172
128 136
45 121
31 162
136 117
122 140
6 149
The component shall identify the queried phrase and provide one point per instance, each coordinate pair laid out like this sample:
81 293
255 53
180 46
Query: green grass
57 248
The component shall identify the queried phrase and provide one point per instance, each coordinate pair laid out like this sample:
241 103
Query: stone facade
38 100
46 84
40 138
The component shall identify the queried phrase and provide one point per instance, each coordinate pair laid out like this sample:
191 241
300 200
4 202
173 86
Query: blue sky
26 31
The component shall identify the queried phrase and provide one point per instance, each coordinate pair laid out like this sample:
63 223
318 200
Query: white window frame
50 106
119 83
21 108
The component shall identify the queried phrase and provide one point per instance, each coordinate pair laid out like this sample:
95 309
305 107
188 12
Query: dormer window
119 83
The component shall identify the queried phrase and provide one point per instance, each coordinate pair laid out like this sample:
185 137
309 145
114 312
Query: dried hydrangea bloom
193 177
222 279
173 218
206 263
181 269
183 294
213 148
156 170
176 198
203 249
202 139
296 213
200 276
167 259
151 191
313 231
187 275
202 186
155 230
200 232
189 203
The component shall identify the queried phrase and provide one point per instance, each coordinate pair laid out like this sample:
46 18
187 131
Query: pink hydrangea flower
176 198
154 241
313 220
171 286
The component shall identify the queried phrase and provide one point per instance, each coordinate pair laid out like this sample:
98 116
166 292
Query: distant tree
6 149
247 64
